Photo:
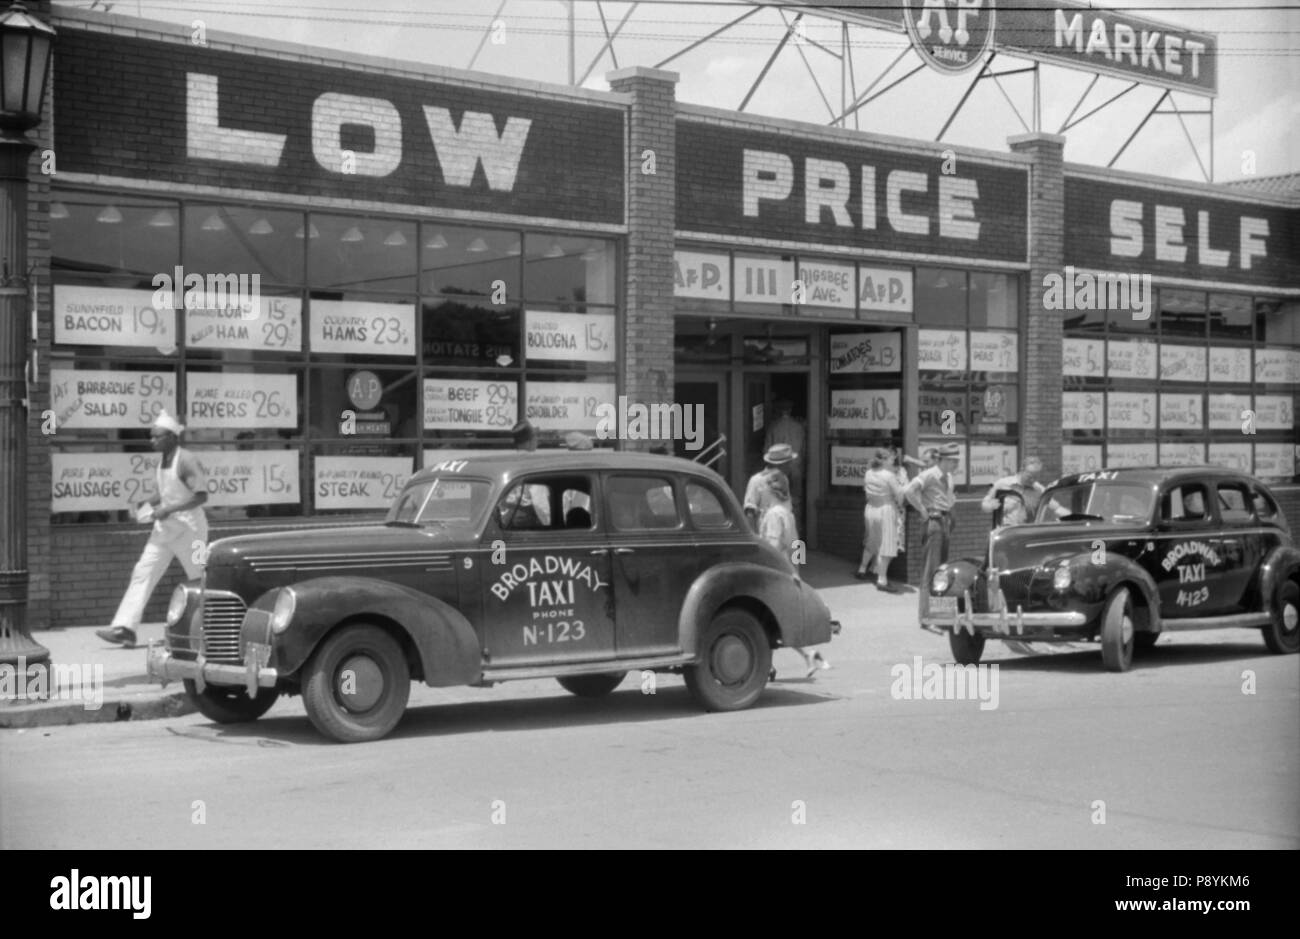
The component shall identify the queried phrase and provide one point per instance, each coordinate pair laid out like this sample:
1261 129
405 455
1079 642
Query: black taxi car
492 566
1122 555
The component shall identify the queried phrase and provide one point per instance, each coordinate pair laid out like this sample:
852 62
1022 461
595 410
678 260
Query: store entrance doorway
776 412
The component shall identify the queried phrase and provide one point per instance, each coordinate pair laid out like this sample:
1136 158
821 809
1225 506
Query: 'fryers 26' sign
1121 227
755 184
232 119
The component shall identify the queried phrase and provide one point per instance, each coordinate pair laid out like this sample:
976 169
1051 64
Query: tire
230 704
1144 641
367 703
735 659
1282 634
592 686
966 648
1118 632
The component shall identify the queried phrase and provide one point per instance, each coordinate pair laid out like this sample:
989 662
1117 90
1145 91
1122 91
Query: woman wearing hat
883 510
180 528
777 527
757 491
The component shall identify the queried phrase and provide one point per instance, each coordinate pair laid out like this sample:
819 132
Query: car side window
547 503
1234 507
706 509
1264 507
641 503
1185 503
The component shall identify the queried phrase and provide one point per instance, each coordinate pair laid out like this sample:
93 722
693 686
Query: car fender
448 647
1093 582
801 616
1282 562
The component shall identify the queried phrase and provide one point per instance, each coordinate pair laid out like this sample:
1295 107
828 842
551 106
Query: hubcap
1126 630
732 660
1290 616
359 683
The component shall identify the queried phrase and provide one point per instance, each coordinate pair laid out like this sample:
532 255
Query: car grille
223 615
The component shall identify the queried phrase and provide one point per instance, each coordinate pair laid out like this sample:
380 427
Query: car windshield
447 501
1104 499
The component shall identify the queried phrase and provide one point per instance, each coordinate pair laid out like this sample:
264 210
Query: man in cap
758 492
1014 500
931 494
180 528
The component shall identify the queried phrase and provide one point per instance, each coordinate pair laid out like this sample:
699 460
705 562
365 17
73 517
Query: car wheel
1117 631
357 684
966 648
1282 634
734 662
592 686
1145 641
230 704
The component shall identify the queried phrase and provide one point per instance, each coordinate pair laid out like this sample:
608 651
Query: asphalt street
1178 753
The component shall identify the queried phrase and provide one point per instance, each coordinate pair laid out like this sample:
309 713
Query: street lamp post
25 44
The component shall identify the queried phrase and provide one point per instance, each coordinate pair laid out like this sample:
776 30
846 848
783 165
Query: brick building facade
442 252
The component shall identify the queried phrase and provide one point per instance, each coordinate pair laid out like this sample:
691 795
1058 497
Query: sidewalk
101 683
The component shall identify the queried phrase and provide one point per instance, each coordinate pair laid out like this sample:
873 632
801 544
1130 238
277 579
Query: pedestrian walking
778 528
931 493
785 428
757 494
880 517
180 528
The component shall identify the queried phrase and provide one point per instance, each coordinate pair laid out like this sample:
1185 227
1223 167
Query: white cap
165 421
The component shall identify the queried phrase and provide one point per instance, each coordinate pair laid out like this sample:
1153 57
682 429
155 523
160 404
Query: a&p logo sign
951 35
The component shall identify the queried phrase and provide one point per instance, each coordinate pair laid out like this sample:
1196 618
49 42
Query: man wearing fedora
758 493
931 493
180 528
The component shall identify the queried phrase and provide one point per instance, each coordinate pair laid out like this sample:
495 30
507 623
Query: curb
142 706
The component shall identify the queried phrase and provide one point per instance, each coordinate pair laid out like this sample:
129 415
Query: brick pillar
646 363
1040 418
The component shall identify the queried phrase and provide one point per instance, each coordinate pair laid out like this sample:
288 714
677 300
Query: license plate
943 606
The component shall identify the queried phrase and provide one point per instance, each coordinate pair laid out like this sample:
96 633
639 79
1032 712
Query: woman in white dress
883 510
777 527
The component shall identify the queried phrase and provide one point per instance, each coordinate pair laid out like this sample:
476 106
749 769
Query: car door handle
624 551
600 550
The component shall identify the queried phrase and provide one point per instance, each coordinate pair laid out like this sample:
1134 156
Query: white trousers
170 538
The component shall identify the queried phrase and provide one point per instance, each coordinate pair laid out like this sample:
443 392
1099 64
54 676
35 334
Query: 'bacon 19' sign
203 115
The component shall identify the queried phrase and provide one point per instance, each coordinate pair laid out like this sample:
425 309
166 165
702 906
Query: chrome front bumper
253 674
1002 624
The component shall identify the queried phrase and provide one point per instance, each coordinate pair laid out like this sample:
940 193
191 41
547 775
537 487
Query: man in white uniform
180 528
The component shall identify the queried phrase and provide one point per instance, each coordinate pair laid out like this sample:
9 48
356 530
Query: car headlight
941 581
282 612
180 599
1062 577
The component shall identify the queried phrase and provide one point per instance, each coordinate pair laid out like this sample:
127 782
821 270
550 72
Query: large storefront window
1214 378
969 360
347 350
